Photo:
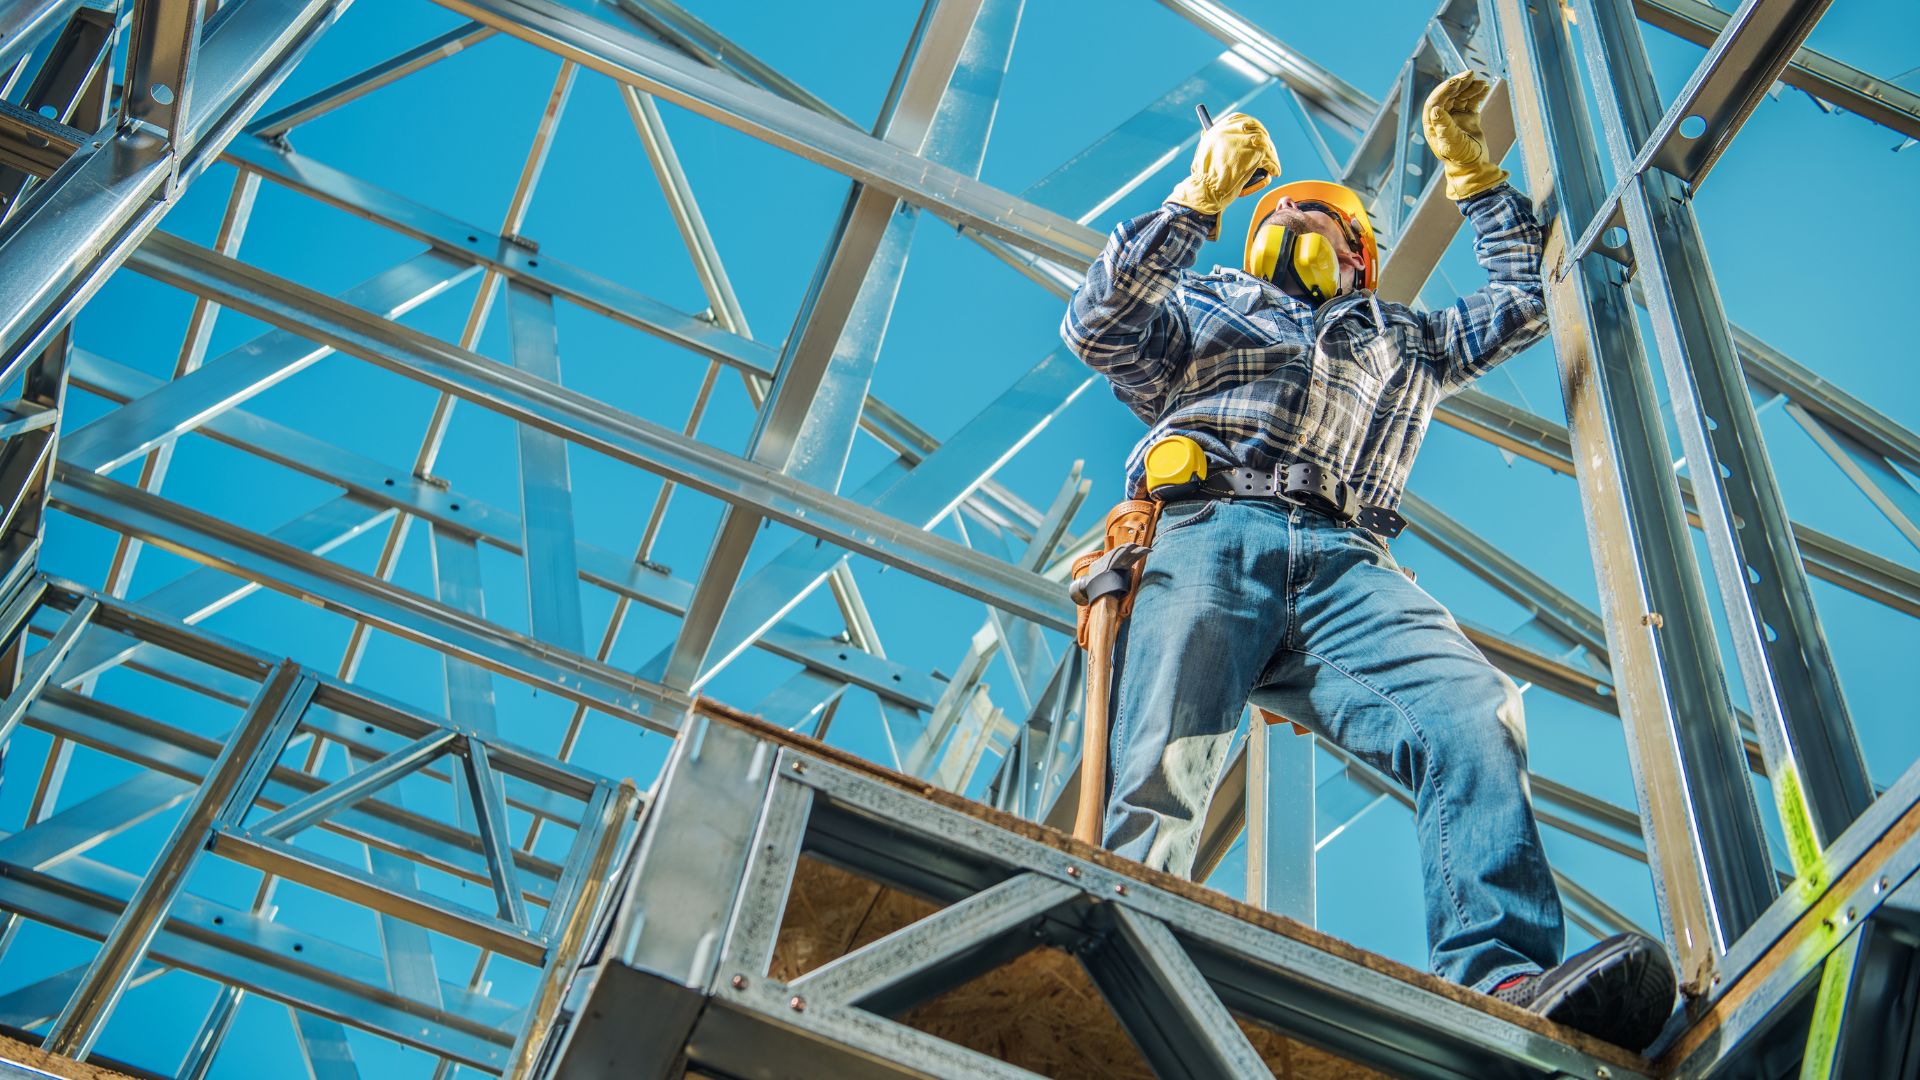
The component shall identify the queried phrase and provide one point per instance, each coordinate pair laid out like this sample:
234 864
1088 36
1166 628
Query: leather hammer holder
1130 522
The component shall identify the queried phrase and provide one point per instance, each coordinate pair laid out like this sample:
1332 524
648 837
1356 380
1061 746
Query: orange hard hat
1341 198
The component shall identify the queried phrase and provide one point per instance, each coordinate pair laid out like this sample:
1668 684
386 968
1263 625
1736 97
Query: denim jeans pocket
1179 515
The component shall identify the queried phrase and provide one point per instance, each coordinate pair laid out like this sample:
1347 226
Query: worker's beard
1297 220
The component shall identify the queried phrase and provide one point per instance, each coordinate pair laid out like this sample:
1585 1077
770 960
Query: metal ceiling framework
325 785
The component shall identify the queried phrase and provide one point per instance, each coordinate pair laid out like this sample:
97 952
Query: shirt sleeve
1469 337
1126 320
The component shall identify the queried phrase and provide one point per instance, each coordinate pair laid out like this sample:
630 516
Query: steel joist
1183 974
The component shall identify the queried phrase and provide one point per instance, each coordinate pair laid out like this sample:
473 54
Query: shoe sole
1622 996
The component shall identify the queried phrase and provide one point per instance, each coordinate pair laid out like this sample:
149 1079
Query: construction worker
1285 403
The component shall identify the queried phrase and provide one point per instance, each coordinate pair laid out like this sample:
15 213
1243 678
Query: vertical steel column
162 44
1703 831
1819 776
614 829
26 459
70 80
281 699
1281 820
546 488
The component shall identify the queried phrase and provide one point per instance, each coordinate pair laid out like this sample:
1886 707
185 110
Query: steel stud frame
1799 958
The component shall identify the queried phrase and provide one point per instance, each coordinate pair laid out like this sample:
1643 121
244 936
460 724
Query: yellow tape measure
1175 459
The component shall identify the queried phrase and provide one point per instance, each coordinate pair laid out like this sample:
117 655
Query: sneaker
1621 990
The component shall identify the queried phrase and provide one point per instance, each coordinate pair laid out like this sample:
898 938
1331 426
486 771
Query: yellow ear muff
1264 254
1306 257
1316 265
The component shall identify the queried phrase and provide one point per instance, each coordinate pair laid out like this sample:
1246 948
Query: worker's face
1353 262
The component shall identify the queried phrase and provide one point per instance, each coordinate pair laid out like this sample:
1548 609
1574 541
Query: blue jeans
1260 601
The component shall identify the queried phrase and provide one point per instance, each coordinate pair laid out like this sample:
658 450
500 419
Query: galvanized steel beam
80 224
586 422
1822 76
724 97
1793 689
1702 827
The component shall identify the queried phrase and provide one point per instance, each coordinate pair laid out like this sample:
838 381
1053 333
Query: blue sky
1802 199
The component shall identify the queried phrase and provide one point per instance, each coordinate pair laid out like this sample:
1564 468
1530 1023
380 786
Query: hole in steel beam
1693 127
1615 237
161 93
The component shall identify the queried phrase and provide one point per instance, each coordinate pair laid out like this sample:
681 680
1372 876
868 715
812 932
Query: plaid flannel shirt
1259 378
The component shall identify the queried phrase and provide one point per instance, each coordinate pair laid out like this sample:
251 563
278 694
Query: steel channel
686 875
314 579
364 82
247 950
1712 876
194 397
79 225
1280 820
1820 75
613 831
371 482
724 97
73 1032
1198 1033
838 284
627 438
376 824
1806 732
490 814
163 42
24 25
358 785
1338 98
193 349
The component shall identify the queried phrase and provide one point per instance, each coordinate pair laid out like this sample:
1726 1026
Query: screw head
799 766
739 982
1121 889
1602 1073
797 1003
1073 871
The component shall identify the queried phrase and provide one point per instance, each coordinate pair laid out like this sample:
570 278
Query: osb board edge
33 1057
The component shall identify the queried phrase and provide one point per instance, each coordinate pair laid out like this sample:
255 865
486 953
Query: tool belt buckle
1320 489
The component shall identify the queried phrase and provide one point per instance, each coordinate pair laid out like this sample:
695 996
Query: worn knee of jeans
1488 720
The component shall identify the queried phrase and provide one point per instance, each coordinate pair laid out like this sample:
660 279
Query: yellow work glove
1230 152
1452 122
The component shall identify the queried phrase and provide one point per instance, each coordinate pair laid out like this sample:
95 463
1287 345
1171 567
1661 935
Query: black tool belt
1305 484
